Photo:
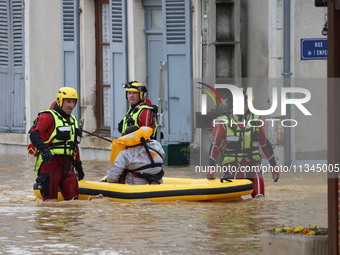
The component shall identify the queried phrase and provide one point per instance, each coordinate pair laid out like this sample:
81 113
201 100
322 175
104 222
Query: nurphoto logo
239 97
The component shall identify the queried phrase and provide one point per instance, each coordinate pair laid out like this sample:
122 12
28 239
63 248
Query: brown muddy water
30 226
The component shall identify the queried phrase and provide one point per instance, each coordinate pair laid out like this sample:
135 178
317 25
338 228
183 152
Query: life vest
131 118
63 139
131 139
151 178
138 137
242 144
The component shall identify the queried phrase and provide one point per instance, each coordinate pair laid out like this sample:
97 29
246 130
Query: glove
46 155
79 169
276 173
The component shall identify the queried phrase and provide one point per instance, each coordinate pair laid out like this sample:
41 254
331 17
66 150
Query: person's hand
46 155
79 169
276 173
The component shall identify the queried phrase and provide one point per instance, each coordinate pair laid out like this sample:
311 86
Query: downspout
286 76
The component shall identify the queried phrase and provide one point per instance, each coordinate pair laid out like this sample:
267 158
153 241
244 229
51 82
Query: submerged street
99 226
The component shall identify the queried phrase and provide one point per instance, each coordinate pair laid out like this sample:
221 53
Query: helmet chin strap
61 105
58 103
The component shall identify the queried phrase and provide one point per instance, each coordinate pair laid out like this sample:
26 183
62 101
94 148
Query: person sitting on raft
138 164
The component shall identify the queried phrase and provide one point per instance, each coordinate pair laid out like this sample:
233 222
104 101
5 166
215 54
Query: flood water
99 226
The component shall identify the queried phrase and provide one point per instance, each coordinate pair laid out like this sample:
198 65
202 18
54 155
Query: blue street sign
314 48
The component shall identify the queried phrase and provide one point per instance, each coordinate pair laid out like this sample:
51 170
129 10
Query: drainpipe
286 76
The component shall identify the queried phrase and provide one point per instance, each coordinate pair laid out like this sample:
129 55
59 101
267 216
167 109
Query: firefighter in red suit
141 112
239 138
55 134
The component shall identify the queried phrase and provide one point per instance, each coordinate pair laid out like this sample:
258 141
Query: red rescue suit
219 145
59 173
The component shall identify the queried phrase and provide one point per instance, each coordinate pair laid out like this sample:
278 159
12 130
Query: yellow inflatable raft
184 189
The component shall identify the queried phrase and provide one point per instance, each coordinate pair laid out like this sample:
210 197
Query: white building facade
169 45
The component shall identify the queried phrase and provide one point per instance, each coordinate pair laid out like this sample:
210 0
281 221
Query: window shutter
12 86
70 44
175 22
118 62
17 9
18 124
178 74
4 40
4 66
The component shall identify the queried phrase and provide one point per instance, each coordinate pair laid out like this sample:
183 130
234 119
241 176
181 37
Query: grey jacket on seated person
132 158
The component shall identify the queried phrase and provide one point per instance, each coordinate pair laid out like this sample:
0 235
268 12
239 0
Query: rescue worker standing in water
56 134
239 138
141 112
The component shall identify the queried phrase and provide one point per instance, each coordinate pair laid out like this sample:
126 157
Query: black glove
46 155
79 169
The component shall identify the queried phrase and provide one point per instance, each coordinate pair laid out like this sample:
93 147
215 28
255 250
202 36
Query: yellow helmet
136 87
66 92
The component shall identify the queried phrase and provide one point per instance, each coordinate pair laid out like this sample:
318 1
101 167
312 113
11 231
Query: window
103 67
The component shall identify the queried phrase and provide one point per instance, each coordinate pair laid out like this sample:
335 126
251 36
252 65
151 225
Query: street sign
314 48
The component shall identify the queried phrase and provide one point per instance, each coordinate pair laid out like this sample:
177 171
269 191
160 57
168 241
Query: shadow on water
30 226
